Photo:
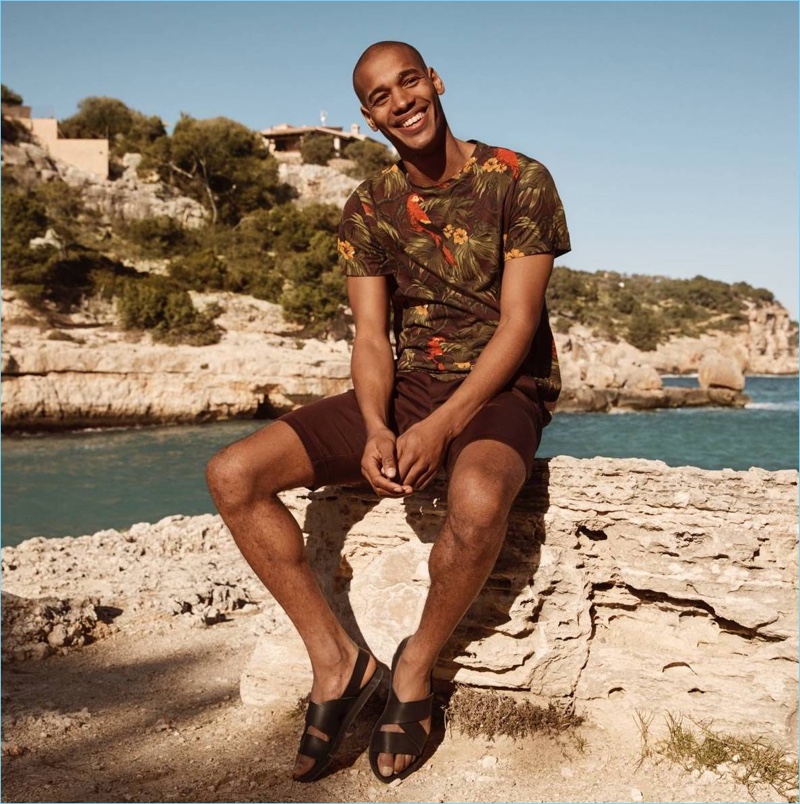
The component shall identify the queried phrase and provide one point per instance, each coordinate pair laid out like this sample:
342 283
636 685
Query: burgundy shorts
333 434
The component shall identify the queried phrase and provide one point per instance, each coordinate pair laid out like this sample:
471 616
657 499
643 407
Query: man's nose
402 100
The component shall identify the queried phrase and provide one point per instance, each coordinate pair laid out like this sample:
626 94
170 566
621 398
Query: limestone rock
642 378
128 198
599 375
720 371
622 585
102 375
317 184
34 629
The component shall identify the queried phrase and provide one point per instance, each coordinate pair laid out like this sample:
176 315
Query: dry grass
752 760
491 714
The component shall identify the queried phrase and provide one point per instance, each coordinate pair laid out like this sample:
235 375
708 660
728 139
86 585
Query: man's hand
379 465
420 451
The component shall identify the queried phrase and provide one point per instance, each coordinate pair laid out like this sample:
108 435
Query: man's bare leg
245 479
485 481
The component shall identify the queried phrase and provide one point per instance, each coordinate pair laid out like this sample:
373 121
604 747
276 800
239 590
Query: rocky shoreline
625 586
62 372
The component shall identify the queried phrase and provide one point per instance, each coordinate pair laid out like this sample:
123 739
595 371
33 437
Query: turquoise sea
78 483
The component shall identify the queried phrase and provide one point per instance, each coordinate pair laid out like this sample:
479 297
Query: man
458 240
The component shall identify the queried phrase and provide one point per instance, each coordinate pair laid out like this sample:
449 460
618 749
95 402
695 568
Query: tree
317 149
98 118
643 330
370 157
222 164
9 97
109 118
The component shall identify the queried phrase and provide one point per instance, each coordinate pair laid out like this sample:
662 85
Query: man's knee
481 494
230 480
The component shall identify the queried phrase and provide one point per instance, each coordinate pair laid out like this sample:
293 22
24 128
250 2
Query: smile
413 120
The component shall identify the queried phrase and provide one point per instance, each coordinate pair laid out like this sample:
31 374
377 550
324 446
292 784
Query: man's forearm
497 364
372 371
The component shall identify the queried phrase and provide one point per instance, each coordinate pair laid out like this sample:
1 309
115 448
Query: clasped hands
396 466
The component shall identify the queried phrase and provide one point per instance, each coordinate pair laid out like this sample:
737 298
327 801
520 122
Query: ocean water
79 483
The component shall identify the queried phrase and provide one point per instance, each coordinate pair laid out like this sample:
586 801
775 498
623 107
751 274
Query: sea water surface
79 483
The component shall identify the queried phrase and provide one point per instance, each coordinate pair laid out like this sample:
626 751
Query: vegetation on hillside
647 310
259 243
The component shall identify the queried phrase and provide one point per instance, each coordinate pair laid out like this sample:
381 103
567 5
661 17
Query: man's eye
379 100
411 81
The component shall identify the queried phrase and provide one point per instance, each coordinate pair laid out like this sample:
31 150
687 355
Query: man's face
400 99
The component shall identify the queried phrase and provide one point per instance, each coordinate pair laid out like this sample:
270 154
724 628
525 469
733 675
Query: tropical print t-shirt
444 248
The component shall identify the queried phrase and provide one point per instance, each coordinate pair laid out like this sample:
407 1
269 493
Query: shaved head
380 47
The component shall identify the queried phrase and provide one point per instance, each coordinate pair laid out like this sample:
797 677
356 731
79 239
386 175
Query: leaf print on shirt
420 222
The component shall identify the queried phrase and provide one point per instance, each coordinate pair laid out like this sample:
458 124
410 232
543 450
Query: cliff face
624 586
105 376
128 198
82 370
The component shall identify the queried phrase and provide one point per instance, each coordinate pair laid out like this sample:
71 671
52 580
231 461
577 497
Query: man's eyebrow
403 74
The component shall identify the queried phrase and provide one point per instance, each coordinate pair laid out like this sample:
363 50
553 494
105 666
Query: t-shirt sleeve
536 223
360 253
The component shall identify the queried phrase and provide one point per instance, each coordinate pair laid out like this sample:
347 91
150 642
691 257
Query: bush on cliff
370 158
158 305
646 310
317 149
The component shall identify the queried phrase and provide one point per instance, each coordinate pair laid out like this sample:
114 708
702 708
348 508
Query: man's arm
372 371
421 448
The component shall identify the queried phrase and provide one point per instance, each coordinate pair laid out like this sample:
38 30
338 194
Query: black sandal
333 718
407 715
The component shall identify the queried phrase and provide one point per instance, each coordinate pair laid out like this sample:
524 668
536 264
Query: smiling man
454 245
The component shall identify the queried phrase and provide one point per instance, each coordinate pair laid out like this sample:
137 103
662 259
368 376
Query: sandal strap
354 685
328 715
392 742
313 746
402 712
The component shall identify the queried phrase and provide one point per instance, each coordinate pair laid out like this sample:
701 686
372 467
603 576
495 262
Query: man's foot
335 701
407 713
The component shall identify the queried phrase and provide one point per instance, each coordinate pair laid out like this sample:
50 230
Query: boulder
642 378
34 629
599 375
623 586
720 371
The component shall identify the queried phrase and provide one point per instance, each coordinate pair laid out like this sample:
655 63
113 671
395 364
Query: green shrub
158 305
317 149
157 237
370 158
643 330
203 270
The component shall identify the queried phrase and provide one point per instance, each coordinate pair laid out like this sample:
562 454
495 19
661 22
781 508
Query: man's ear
368 118
436 80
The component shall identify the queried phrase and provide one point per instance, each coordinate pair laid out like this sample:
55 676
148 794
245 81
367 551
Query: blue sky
671 128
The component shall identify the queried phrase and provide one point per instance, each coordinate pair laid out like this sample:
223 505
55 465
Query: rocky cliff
83 370
127 198
93 373
623 587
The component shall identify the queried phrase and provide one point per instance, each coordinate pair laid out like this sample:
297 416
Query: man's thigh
333 434
513 418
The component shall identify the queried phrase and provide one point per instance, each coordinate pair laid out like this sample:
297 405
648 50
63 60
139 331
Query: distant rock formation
128 198
317 184
623 586
100 375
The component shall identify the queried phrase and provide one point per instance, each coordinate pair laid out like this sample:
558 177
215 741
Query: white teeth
411 120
